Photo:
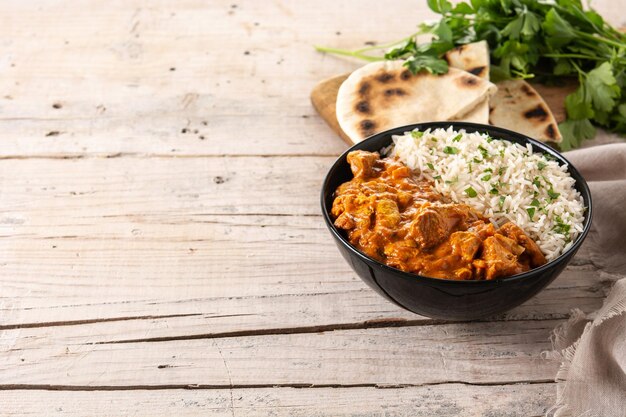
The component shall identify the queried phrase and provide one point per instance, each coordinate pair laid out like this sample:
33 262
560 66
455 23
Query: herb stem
600 39
581 56
345 52
387 45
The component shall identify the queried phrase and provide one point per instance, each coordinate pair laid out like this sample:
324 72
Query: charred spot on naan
364 88
367 127
467 81
528 91
363 106
478 71
538 112
551 131
394 91
385 77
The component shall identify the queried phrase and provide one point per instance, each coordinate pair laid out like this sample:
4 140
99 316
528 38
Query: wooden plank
448 400
475 353
52 189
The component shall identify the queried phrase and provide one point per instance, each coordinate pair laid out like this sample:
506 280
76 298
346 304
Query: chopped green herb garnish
454 181
501 170
493 191
546 181
541 165
552 194
535 203
417 134
536 182
486 177
501 201
561 227
478 161
457 137
434 139
501 152
431 166
450 150
489 139
488 170
471 192
437 177
469 166
531 212
484 152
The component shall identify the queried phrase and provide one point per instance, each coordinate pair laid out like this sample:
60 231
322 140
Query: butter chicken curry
402 221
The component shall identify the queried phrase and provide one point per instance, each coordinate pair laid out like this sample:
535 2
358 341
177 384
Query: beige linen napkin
592 377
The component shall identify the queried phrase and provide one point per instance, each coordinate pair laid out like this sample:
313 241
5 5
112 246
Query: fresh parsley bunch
542 39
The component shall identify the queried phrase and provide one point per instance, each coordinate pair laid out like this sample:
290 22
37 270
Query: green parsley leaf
601 86
440 6
494 191
417 134
558 30
471 192
486 177
532 24
428 63
574 132
484 152
514 28
579 105
535 203
431 166
541 165
451 150
531 212
457 137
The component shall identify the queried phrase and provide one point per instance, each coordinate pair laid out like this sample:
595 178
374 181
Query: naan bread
385 94
517 106
473 58
479 114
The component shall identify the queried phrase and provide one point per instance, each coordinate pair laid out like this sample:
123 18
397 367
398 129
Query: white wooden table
161 246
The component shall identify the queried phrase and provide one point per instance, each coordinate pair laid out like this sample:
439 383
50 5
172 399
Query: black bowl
440 298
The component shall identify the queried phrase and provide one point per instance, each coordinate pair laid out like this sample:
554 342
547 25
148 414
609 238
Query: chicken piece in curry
395 217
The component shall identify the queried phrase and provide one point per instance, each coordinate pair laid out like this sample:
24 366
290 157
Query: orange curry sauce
400 220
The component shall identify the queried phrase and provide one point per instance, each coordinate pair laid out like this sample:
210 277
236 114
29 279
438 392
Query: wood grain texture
447 400
161 245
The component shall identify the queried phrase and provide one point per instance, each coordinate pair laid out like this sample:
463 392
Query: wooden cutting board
324 97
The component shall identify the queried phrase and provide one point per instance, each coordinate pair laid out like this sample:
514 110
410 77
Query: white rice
504 181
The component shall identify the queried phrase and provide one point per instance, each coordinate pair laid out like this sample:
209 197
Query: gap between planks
364 325
52 387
